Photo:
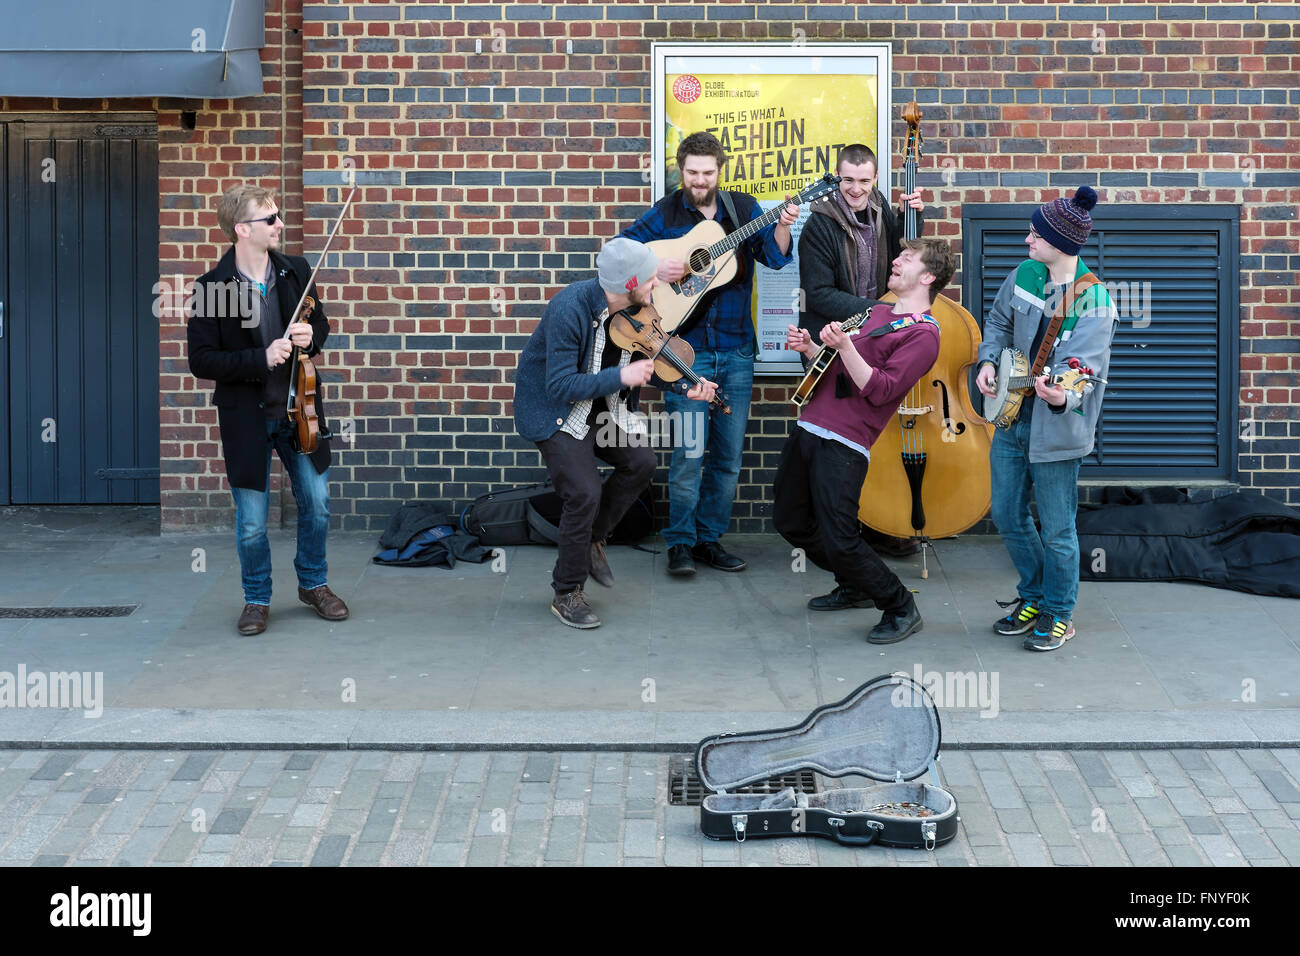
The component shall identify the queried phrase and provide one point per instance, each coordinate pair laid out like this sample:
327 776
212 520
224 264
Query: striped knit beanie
1065 223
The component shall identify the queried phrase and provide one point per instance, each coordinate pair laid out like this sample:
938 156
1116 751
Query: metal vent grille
685 789
103 610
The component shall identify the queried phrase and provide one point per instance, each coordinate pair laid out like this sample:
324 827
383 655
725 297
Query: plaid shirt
726 321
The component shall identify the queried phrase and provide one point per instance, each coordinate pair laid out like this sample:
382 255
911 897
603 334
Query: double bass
929 474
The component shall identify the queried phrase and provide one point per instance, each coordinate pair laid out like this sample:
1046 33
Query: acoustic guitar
710 256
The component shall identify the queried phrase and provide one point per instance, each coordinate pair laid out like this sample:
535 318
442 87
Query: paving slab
674 662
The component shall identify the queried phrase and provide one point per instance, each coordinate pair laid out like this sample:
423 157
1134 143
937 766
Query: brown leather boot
325 603
253 620
573 610
600 571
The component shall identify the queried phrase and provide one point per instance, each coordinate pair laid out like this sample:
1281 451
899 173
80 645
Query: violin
304 401
303 408
673 357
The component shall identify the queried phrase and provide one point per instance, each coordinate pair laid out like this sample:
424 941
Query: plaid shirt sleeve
762 245
650 227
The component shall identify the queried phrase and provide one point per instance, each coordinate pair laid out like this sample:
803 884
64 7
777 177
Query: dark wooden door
80 335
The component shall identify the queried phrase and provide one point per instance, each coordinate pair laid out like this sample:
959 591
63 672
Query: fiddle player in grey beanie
1043 448
570 379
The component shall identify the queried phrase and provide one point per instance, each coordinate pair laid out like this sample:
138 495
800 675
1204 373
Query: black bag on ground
527 515
1242 541
531 515
887 729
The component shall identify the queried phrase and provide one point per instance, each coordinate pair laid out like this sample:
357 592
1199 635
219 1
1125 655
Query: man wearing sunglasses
238 339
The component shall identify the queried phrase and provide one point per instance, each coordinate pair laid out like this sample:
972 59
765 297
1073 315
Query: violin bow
320 261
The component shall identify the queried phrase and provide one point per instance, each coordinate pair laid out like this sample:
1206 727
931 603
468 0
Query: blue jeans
311 491
701 489
1048 563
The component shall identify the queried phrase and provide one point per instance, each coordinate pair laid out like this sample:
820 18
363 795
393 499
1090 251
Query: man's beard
710 195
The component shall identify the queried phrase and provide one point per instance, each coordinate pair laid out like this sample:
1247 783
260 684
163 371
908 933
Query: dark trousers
590 510
818 484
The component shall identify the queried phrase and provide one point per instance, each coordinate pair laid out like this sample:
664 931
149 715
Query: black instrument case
887 729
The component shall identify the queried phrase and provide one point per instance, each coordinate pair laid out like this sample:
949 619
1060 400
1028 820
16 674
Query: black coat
222 349
827 260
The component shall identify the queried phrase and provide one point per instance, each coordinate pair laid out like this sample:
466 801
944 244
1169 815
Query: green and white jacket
1086 334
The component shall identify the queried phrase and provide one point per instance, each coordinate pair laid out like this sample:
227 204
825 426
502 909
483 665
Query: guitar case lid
888 729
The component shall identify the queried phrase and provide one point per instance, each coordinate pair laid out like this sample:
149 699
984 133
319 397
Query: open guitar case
887 729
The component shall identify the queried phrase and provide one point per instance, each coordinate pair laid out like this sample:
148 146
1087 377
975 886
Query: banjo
1013 382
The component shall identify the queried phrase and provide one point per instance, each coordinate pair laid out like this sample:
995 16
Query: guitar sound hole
699 260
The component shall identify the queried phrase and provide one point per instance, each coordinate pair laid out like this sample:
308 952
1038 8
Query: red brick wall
232 141
505 170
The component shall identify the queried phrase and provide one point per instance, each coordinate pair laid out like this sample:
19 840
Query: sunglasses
269 220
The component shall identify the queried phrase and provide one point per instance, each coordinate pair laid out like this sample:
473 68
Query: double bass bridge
905 411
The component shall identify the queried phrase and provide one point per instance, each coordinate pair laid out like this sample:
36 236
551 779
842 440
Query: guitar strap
842 386
727 204
1073 292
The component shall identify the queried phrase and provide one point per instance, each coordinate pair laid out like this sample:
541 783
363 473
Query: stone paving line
349 808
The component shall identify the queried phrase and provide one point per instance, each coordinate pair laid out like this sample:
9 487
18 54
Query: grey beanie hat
624 264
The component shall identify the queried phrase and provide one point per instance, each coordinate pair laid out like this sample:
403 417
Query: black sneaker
599 567
680 562
896 627
713 554
1050 633
1021 620
573 610
839 599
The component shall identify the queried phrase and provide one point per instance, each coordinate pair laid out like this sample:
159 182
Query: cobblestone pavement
306 808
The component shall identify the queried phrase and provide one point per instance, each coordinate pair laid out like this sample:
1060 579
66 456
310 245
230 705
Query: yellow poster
780 131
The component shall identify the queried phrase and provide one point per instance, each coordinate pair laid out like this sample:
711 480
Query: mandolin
822 361
710 256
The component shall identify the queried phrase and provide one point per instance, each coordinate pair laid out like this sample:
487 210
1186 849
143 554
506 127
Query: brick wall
494 163
204 147
254 139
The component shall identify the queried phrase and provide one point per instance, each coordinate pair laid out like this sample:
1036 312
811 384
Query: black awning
203 49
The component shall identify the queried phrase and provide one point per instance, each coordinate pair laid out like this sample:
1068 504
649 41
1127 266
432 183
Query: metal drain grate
103 610
685 789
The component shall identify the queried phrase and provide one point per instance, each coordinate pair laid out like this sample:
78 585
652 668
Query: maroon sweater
899 359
